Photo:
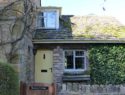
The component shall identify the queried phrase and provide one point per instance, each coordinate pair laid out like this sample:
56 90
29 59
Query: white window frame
74 56
40 17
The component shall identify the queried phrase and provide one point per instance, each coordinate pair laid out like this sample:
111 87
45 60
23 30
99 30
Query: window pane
79 63
79 53
69 59
42 20
51 20
47 19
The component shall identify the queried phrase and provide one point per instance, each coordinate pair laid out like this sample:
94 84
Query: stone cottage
57 50
61 43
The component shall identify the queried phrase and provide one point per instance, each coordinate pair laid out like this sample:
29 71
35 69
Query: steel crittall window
75 60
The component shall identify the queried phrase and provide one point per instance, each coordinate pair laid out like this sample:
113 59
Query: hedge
9 84
107 64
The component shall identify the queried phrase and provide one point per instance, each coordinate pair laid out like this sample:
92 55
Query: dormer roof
49 8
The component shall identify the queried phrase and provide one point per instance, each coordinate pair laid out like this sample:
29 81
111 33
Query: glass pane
51 20
79 53
69 59
42 20
45 19
79 63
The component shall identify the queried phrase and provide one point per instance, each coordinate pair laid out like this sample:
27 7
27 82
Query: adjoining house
61 43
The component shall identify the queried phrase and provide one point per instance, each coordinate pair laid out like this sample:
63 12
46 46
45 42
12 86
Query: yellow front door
43 66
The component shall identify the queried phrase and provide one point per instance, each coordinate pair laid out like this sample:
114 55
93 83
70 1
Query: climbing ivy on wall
107 64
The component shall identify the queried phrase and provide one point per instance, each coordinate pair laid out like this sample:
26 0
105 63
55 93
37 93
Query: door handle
50 69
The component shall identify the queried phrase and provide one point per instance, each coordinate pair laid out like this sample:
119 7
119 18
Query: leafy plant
107 64
9 84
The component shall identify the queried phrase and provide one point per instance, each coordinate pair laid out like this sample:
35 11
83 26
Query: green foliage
107 64
88 29
9 84
85 35
118 32
67 25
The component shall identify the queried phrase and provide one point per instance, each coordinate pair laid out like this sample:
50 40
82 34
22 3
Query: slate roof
84 27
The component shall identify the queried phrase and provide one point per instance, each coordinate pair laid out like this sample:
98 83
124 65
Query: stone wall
82 89
58 67
26 60
19 54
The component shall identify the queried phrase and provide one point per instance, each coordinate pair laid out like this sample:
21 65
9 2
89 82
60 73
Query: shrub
9 84
107 64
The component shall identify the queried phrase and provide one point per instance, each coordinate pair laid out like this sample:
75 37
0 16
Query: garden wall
82 89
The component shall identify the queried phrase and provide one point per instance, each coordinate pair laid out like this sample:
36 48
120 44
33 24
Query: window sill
76 78
46 28
75 72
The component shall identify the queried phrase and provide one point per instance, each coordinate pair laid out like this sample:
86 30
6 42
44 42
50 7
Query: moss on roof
97 27
85 27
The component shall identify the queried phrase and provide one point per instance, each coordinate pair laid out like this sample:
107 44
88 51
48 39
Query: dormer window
48 19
